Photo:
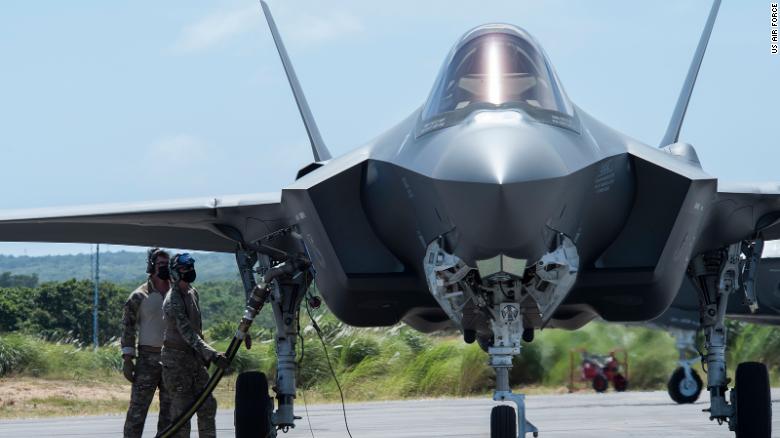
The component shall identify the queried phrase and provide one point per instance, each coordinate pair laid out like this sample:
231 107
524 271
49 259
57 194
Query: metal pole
95 301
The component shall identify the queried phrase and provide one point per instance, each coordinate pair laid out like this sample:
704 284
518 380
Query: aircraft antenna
318 147
675 124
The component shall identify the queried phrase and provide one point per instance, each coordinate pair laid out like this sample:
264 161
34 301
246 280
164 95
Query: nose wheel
684 386
504 420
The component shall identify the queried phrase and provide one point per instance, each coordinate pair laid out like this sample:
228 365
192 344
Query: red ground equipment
600 370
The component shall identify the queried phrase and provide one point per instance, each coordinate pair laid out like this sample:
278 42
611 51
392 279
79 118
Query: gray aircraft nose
499 153
516 219
502 192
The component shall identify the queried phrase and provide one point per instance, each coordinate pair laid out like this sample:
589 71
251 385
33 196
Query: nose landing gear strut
507 333
503 294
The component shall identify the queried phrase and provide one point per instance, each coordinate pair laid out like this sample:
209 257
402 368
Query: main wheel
503 422
600 383
252 415
753 401
619 383
684 390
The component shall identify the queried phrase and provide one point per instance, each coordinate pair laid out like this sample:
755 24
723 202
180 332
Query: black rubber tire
469 336
620 383
252 415
753 401
528 335
676 393
503 422
600 383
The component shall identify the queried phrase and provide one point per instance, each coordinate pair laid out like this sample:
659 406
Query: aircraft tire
503 422
753 401
682 391
469 336
600 383
252 415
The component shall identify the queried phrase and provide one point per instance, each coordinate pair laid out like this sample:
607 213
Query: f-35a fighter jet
499 207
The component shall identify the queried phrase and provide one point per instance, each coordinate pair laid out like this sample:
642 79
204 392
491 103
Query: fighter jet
499 207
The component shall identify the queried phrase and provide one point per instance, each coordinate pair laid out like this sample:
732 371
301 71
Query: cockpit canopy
495 67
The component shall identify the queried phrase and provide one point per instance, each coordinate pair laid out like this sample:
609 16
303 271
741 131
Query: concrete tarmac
611 415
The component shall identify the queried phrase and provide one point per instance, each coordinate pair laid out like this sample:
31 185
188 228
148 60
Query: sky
131 101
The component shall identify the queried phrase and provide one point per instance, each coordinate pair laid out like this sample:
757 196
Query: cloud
216 28
306 28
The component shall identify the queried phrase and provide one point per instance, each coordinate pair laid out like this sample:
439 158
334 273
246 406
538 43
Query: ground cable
330 365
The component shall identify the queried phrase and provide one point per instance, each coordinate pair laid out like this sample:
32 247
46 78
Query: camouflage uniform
185 356
143 314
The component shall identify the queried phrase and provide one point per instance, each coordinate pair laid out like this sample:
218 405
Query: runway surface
633 414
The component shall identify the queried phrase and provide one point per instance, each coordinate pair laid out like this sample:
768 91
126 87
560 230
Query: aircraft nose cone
503 190
499 156
516 219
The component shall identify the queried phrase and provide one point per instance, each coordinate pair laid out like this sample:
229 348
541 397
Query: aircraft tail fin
675 124
318 147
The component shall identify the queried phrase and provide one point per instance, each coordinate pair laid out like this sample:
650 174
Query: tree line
116 266
62 310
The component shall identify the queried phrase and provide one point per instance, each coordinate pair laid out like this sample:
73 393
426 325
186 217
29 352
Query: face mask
189 276
163 273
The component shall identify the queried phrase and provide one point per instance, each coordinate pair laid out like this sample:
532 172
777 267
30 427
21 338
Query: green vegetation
46 332
398 362
49 329
25 355
11 280
62 311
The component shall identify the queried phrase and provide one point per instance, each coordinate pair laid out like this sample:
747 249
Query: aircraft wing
206 224
742 210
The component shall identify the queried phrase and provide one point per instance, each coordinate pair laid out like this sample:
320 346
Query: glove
248 341
221 361
128 369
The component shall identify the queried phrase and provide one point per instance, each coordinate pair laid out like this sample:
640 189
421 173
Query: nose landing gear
507 298
507 332
685 385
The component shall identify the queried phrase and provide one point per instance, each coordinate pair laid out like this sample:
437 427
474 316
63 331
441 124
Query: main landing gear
283 283
748 408
254 411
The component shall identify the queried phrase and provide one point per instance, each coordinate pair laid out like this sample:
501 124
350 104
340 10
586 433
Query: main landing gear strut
717 274
282 284
254 412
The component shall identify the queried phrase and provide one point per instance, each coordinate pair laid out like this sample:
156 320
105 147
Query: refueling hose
254 304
